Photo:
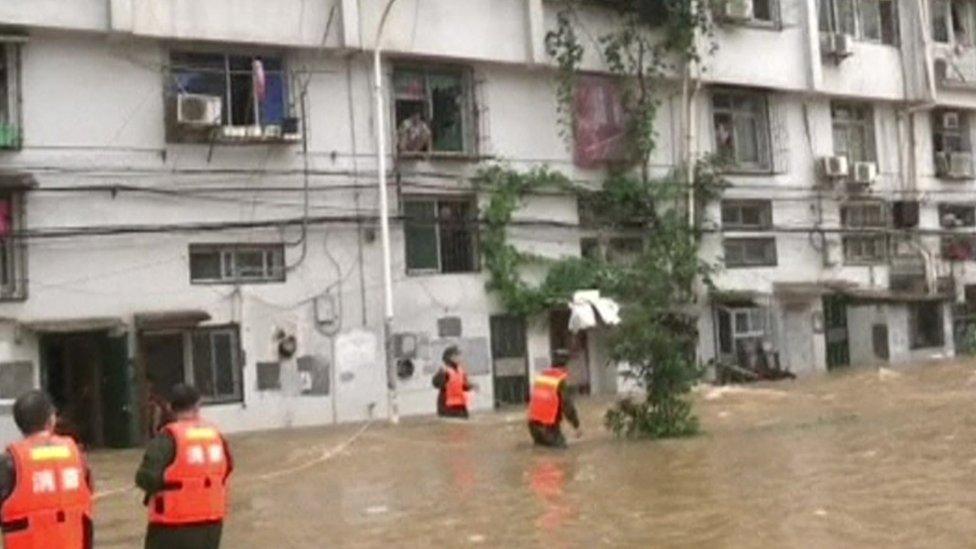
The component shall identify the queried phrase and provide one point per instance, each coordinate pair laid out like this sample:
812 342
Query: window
960 247
209 357
925 325
434 110
952 22
867 20
764 10
853 131
864 248
13 250
252 92
754 215
904 214
441 235
750 252
952 216
237 263
864 215
739 327
741 125
9 91
950 131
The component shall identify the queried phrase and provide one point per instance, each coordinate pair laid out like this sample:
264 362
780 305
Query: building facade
189 193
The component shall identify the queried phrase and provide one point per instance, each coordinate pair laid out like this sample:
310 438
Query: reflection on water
860 459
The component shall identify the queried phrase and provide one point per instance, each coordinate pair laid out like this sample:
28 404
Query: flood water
866 458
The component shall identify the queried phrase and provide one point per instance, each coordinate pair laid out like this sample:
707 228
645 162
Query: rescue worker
551 402
45 485
184 474
452 382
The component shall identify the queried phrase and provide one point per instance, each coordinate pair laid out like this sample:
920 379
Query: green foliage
657 288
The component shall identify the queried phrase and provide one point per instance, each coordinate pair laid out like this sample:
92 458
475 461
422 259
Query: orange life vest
454 395
195 489
546 402
51 501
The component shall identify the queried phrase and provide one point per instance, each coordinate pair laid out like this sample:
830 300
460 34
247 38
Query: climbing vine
651 41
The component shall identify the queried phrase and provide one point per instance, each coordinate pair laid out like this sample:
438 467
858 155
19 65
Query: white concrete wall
93 76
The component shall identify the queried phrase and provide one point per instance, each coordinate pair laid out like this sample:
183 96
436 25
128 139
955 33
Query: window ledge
739 267
423 272
754 24
443 157
747 171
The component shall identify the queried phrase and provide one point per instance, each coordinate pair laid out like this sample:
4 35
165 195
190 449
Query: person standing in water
551 402
453 385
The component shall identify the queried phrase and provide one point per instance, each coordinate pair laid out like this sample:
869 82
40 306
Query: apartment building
189 193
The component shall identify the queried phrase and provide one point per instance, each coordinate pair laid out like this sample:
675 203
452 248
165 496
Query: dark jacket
160 453
440 382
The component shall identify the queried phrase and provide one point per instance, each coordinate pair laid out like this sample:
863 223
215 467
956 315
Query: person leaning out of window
453 386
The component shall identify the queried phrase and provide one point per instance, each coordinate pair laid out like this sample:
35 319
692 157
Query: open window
434 111
865 20
952 22
228 98
10 134
957 215
952 144
441 235
741 125
853 131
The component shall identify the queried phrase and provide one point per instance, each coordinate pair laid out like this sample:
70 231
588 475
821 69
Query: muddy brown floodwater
866 458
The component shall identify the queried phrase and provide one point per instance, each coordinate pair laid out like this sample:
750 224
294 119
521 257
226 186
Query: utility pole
384 215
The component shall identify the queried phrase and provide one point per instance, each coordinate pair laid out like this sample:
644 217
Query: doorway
510 362
86 374
835 331
577 344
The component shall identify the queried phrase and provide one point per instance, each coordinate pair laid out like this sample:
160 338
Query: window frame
11 122
177 134
227 256
768 241
848 125
739 205
475 236
968 219
863 220
871 249
763 136
13 278
828 20
470 145
968 22
940 132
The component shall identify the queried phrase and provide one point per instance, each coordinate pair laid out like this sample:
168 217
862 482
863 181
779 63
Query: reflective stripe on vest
51 500
454 387
195 482
545 403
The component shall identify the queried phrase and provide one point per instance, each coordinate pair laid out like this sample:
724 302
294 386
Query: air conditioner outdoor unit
954 165
834 167
737 10
839 46
865 173
198 110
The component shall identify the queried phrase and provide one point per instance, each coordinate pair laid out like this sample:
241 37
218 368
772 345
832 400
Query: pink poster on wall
601 123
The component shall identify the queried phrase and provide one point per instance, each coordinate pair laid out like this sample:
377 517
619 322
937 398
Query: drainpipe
384 213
